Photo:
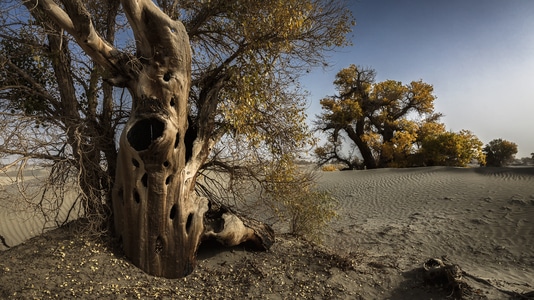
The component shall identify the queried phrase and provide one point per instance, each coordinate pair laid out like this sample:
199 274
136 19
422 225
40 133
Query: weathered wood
157 214
231 229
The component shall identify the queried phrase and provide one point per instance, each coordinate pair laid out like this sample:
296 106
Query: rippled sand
394 219
24 204
480 218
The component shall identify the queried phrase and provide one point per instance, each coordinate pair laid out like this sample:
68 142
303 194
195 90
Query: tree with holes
188 113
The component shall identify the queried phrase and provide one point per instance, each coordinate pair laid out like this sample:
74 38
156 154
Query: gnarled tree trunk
157 214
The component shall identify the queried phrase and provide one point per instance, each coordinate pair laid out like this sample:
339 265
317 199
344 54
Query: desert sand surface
391 221
24 203
479 218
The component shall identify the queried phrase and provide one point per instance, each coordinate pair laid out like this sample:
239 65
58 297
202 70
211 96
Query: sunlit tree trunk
157 214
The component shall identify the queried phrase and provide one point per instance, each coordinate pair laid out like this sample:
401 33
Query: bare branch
144 16
76 20
53 11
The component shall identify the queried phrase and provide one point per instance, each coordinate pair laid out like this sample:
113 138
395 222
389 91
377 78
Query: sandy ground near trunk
390 222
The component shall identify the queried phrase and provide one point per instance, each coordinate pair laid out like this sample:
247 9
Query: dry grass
331 168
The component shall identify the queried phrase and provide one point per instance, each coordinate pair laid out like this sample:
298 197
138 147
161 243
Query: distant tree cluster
388 124
452 149
500 152
391 124
527 160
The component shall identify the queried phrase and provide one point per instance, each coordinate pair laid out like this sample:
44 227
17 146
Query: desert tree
188 114
500 152
525 161
452 149
375 117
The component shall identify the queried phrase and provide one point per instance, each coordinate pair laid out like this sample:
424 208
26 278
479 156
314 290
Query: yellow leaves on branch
293 192
284 19
453 149
341 111
279 24
389 92
256 107
422 95
265 45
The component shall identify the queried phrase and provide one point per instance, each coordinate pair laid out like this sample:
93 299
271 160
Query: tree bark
355 135
157 214
387 135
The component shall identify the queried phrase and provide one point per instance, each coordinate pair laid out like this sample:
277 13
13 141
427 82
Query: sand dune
392 220
480 218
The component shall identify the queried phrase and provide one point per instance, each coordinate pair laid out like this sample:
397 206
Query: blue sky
478 55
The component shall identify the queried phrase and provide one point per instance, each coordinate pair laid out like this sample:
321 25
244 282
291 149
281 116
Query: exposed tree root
3 240
439 272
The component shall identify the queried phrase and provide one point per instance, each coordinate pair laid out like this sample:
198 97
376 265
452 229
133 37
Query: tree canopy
388 124
376 117
245 94
500 152
452 149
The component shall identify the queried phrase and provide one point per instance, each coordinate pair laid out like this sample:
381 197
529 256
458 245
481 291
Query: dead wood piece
232 229
438 273
3 240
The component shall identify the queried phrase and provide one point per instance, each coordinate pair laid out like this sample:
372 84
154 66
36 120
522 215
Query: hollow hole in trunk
174 208
189 138
136 196
177 140
189 222
135 162
167 76
168 180
173 101
166 164
144 132
144 180
159 245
